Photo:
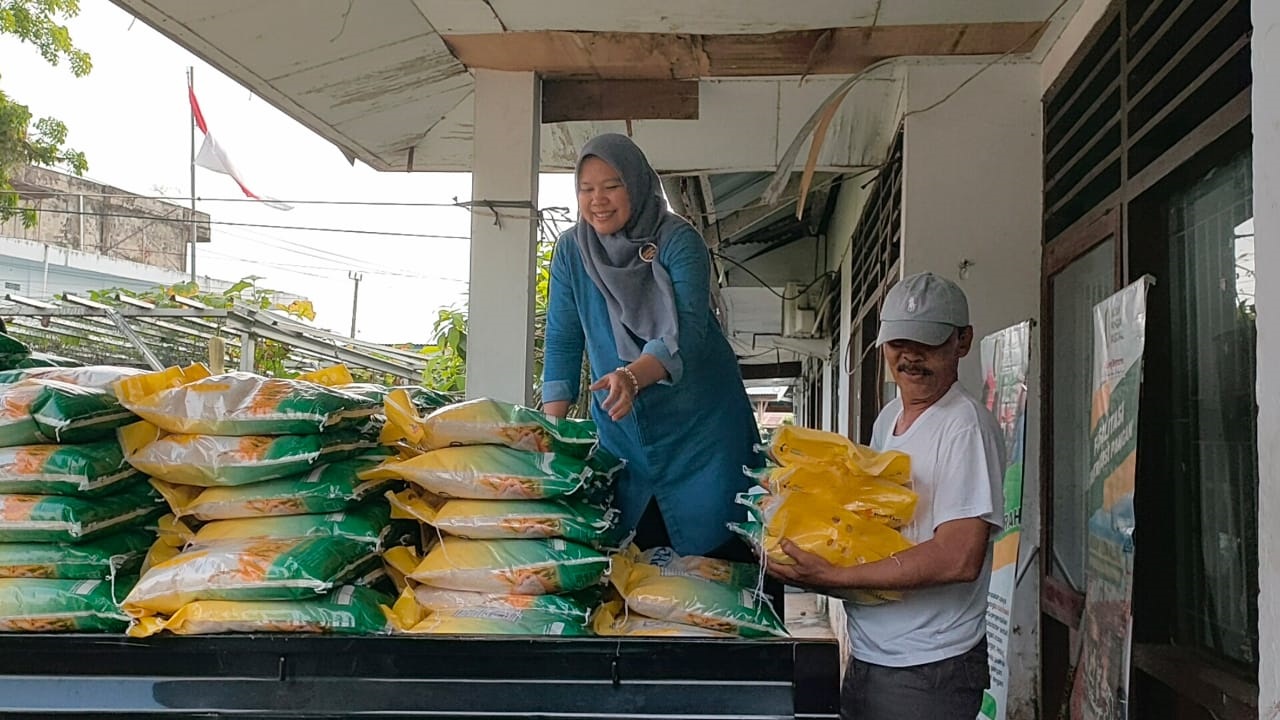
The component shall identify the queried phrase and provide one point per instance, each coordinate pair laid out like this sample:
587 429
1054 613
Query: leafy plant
25 140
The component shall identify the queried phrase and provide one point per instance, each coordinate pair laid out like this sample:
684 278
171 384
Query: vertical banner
1006 359
1101 690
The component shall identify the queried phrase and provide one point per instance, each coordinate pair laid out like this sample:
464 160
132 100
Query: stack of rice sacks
516 518
75 519
829 496
271 528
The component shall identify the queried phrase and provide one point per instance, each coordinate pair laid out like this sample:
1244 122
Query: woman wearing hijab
630 285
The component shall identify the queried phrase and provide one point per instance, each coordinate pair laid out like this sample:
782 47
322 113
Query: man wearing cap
924 656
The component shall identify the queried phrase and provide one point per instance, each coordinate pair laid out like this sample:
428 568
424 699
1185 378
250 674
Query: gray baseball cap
924 308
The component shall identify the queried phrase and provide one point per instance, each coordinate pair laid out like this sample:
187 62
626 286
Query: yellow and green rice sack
612 620
424 400
496 621
56 518
99 377
88 469
502 519
348 610
370 523
487 422
98 558
327 488
521 567
40 411
489 473
44 605
12 351
693 601
211 460
417 602
245 570
189 401
696 566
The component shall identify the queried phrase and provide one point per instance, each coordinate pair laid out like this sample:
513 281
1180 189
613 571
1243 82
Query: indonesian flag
213 157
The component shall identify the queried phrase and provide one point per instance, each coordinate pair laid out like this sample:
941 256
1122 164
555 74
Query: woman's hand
621 398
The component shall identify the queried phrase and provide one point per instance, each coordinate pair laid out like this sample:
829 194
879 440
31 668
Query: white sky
130 117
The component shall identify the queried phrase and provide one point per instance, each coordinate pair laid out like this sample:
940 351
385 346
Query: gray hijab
638 294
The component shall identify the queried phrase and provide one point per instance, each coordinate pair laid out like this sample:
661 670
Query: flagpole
192 110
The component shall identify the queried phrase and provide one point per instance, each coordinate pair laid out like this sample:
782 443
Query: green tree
25 140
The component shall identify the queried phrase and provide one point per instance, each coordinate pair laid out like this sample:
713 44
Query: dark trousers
948 689
651 532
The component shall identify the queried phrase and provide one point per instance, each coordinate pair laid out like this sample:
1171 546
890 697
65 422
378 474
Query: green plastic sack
42 359
424 399
54 518
521 567
348 610
119 553
189 401
89 469
489 472
210 460
99 377
44 605
369 523
325 489
12 351
38 411
487 422
497 621
499 519
249 570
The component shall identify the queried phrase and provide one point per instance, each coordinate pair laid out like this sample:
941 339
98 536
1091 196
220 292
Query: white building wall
972 213
23 264
1266 207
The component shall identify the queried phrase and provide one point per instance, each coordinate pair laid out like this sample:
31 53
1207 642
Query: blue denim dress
688 438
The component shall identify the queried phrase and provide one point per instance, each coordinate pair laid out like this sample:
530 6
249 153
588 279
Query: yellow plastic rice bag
717 606
612 620
190 401
249 570
814 524
499 519
521 567
489 473
369 523
697 566
398 562
332 487
212 460
487 422
873 498
348 610
160 551
496 621
791 445
419 601
43 605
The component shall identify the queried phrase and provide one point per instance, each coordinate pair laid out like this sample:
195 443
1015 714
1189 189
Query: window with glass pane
1213 418
1083 284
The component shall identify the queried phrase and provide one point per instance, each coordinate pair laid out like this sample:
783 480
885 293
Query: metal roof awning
135 333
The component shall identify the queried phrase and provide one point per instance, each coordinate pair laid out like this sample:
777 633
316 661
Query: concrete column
972 213
505 169
1266 224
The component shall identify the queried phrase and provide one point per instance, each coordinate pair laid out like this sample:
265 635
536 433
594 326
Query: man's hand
620 399
809 570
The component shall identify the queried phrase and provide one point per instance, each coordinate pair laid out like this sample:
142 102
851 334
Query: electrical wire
766 285
187 199
351 231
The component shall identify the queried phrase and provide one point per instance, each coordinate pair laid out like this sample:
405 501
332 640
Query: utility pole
355 298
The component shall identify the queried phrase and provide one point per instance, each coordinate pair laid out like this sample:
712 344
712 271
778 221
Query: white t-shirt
957 467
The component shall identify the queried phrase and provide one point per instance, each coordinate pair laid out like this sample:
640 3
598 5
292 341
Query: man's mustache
913 368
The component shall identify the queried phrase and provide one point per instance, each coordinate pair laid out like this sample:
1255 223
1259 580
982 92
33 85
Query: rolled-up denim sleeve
565 340
689 265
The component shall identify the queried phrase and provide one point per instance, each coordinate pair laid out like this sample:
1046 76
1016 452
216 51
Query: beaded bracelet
635 384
